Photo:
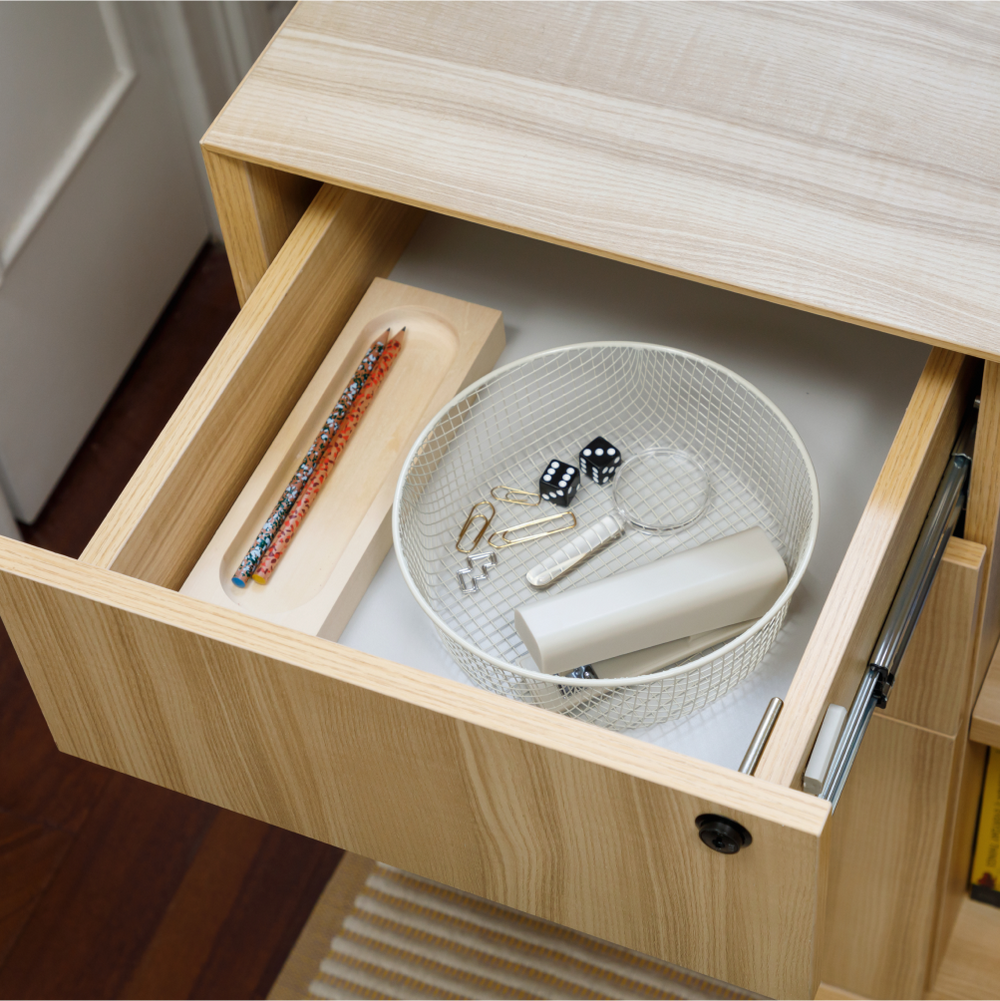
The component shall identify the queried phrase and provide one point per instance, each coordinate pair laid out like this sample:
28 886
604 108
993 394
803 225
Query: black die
559 483
600 460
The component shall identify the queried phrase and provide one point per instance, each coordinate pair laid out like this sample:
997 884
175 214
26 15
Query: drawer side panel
189 479
838 651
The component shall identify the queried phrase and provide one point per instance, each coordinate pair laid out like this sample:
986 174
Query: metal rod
916 583
905 609
850 737
764 728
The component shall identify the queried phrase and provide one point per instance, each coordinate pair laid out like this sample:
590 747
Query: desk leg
258 208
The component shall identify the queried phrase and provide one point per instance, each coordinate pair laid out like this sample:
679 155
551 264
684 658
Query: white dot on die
547 477
611 451
586 451
599 451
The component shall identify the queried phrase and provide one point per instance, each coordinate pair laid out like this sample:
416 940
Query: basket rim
645 679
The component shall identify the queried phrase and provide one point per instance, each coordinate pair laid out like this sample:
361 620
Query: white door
100 216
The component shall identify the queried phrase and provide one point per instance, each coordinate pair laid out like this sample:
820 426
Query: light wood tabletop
839 158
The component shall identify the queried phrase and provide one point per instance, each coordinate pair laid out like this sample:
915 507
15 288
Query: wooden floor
111 887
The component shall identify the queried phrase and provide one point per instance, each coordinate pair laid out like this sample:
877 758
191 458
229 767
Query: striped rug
405 937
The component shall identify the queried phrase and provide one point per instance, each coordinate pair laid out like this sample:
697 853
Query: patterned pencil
316 452
295 517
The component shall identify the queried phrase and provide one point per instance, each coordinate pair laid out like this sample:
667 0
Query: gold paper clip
505 542
512 495
468 525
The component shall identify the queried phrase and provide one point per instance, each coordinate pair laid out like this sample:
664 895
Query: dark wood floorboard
205 899
290 877
119 875
36 780
30 855
111 887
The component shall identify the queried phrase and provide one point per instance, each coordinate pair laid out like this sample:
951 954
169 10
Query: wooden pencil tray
550 815
348 531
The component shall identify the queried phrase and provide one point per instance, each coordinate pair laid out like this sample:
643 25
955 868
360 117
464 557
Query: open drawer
580 825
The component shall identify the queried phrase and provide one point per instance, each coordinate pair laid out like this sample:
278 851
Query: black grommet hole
722 834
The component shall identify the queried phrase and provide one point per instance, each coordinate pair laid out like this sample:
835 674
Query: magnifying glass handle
578 550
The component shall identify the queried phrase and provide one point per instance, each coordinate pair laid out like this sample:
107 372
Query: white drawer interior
845 390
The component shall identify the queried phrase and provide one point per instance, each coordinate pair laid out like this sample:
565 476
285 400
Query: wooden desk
835 159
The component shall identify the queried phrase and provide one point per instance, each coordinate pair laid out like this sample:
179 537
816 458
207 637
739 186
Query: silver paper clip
481 564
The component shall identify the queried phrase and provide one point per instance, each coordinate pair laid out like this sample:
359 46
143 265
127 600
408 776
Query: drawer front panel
581 826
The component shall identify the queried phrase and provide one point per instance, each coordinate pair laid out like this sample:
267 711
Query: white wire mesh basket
504 429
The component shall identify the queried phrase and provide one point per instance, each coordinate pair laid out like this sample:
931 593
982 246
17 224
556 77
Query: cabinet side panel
982 520
886 846
189 479
838 651
258 208
894 829
969 762
986 713
969 968
934 679
548 815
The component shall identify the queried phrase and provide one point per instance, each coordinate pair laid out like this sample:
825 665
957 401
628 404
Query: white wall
8 526
100 217
104 202
212 44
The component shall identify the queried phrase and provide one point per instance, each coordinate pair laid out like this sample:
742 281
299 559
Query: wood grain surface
968 766
986 715
934 679
827 992
838 158
336 552
215 878
982 518
970 969
216 437
258 208
64 935
884 861
30 856
494 797
838 650
105 864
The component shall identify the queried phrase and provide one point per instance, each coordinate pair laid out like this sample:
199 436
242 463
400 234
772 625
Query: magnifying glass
657 491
